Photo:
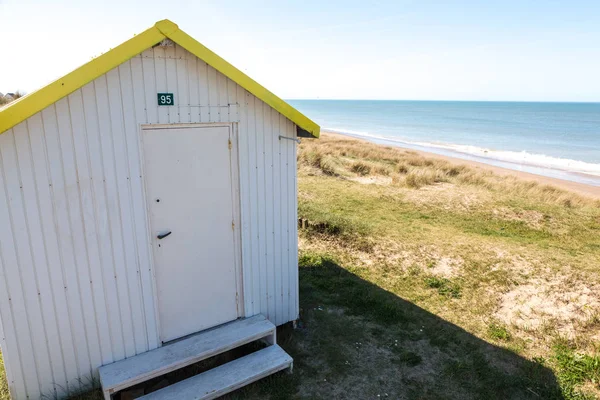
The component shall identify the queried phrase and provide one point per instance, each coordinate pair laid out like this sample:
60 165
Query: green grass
453 241
444 286
575 368
499 332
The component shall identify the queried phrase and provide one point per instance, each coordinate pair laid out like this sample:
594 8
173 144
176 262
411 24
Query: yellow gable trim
25 107
212 59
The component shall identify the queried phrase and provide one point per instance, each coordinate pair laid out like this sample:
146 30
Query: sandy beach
576 187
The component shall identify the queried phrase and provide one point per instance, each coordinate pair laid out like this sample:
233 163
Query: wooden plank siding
77 287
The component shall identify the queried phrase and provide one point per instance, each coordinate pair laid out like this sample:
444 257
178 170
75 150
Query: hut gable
165 29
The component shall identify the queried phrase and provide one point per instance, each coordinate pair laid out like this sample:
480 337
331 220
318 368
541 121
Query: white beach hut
145 197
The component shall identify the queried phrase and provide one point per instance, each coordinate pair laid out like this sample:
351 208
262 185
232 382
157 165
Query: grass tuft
444 286
575 368
499 332
360 168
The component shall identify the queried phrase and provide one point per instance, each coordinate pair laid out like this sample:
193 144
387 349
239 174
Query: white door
189 192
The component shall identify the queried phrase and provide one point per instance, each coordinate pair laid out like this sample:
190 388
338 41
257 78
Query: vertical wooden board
23 345
285 216
123 193
244 171
222 96
110 334
202 70
172 86
148 53
261 202
254 205
160 74
277 232
87 219
213 94
38 245
111 278
137 215
139 89
183 86
169 50
194 88
8 339
65 244
270 205
79 270
288 194
293 224
233 107
149 82
235 201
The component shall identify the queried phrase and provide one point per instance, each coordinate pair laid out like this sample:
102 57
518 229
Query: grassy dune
497 261
422 279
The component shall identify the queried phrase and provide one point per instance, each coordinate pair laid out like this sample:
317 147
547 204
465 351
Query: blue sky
439 50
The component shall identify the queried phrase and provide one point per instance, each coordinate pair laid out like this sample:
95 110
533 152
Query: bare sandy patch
446 267
373 180
514 263
533 219
448 196
559 303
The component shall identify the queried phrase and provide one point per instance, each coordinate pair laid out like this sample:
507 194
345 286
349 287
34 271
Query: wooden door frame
236 201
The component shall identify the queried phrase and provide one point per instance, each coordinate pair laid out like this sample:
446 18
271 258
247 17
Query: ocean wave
512 157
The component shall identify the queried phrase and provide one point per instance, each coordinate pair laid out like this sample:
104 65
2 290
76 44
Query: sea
559 140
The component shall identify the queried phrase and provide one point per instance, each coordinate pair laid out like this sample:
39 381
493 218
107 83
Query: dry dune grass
350 159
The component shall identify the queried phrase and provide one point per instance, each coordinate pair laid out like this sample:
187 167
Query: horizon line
454 101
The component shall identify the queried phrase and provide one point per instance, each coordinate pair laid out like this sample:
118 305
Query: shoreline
576 187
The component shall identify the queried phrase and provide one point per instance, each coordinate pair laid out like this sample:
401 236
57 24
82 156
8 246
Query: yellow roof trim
23 108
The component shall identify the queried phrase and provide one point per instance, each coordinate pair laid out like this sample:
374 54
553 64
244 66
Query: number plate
165 99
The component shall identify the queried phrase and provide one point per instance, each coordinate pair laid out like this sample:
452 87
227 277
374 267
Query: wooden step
145 366
228 377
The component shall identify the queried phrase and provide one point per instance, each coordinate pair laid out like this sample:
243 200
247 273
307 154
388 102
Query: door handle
163 235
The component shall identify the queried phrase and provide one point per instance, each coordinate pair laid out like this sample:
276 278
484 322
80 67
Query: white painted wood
189 193
235 199
277 219
145 366
228 377
77 231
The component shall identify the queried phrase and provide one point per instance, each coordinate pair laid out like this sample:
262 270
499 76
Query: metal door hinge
230 144
232 225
